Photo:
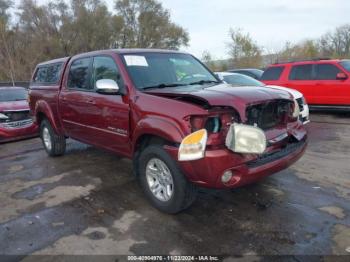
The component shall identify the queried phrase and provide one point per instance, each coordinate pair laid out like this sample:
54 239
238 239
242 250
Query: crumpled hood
296 94
14 105
238 97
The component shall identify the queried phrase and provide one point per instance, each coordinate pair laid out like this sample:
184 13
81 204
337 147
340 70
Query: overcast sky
270 22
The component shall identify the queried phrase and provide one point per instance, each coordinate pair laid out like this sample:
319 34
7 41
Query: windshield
241 80
346 65
156 70
7 95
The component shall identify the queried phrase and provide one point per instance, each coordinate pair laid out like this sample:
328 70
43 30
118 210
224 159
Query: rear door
301 78
75 97
331 90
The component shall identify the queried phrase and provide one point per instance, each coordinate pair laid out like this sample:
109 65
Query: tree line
36 33
244 51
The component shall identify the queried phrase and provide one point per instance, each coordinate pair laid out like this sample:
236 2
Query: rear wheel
54 144
162 181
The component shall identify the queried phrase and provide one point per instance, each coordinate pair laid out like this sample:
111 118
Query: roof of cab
146 50
130 51
119 51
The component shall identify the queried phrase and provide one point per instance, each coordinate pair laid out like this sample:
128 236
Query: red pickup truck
180 124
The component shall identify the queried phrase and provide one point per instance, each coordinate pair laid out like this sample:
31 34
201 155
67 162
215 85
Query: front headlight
246 139
296 111
3 117
192 146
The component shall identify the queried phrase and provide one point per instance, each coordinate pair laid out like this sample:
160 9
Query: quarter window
326 72
79 75
301 72
272 73
105 68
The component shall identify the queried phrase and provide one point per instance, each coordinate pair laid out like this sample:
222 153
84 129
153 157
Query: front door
110 113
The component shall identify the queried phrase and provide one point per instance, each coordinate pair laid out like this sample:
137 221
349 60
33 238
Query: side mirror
107 87
342 76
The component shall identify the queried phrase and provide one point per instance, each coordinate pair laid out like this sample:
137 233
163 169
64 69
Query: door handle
90 101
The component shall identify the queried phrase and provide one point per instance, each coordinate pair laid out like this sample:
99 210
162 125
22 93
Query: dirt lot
88 202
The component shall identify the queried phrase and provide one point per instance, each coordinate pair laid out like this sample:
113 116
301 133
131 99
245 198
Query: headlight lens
296 111
3 117
246 139
192 146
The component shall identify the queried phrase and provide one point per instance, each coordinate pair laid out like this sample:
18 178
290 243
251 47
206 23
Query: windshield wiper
202 82
162 85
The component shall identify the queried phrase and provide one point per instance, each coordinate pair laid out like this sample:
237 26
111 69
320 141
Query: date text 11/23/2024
173 258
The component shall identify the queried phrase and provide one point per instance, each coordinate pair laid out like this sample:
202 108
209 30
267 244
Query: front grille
270 157
16 119
16 115
17 124
270 114
300 103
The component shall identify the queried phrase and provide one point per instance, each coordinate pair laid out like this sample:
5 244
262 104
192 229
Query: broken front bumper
246 168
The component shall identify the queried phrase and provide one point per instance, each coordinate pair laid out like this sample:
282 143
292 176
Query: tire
183 192
54 144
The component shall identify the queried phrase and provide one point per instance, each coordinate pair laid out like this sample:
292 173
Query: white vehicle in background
244 80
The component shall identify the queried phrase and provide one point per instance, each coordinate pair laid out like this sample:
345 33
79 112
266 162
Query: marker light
192 146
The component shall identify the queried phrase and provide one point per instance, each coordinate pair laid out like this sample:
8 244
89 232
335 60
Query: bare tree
59 28
336 43
243 50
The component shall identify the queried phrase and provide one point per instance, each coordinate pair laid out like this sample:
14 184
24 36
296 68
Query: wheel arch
157 130
44 111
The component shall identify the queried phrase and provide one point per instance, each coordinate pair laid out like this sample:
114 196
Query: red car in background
324 83
15 122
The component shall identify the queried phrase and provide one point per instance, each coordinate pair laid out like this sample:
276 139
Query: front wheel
162 181
54 144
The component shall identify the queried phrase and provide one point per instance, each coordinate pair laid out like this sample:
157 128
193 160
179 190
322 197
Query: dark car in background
252 72
15 122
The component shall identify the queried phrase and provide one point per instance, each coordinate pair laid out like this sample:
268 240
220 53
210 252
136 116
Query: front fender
42 107
158 126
